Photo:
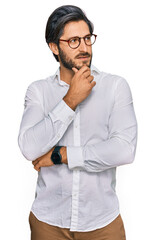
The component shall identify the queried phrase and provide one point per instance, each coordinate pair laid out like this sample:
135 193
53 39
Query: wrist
63 152
70 102
56 157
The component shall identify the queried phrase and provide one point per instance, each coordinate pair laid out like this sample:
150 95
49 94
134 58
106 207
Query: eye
73 40
88 38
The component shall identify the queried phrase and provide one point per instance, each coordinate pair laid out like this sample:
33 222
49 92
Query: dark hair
59 18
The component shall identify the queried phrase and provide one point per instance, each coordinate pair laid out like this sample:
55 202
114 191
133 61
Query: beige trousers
43 231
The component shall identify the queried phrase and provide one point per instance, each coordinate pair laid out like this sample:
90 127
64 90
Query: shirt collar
57 76
94 71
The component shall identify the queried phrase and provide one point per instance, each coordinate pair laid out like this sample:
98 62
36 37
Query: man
77 127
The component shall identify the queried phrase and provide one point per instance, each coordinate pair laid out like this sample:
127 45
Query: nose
83 46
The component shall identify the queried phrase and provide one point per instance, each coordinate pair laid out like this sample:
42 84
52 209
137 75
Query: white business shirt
100 135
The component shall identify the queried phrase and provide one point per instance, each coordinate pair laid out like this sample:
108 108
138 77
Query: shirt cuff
62 112
75 158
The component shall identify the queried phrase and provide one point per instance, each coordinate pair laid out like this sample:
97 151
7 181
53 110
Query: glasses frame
84 38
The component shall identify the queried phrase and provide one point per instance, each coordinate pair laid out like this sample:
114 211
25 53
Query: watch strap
57 148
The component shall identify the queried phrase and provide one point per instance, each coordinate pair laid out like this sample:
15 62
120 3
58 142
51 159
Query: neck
66 75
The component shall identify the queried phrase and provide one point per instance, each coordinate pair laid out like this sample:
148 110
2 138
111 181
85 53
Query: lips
83 56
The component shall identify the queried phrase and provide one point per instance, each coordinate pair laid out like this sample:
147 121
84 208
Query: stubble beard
69 63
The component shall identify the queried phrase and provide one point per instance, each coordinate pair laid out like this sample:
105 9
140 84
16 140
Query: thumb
75 70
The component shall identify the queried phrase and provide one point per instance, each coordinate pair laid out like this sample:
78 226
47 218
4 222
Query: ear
54 48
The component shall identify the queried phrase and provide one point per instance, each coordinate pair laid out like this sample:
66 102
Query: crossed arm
45 160
39 134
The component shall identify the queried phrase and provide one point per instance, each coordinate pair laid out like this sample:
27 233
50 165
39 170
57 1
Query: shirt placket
76 174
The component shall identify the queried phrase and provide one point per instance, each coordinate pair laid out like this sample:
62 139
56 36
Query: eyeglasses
74 42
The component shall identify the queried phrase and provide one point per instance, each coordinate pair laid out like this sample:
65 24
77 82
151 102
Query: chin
83 64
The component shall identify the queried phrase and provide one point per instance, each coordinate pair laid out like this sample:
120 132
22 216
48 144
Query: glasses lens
74 42
89 40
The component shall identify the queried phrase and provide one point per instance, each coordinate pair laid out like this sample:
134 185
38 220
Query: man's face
80 56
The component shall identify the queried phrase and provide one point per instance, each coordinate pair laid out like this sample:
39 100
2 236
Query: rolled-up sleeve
120 147
38 134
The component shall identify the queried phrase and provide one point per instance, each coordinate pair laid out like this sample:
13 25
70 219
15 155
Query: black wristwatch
56 156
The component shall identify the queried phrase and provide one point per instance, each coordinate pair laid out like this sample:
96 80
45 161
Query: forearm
45 160
120 146
38 139
101 156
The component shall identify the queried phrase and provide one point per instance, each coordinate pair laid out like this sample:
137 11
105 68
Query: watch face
56 157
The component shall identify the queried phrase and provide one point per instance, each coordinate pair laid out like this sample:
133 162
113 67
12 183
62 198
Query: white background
125 46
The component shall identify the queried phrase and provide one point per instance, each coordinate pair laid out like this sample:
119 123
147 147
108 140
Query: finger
75 70
90 79
93 83
35 162
87 73
37 167
84 69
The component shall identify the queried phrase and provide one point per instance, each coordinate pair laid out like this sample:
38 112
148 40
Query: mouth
83 57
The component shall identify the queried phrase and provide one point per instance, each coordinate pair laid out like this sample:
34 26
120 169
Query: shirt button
70 117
